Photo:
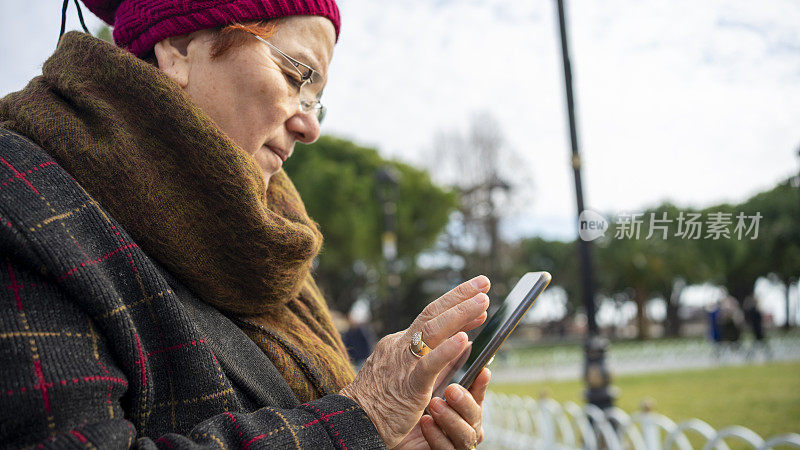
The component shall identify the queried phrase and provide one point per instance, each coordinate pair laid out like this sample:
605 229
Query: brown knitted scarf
191 198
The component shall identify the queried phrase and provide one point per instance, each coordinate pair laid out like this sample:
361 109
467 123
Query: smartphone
495 332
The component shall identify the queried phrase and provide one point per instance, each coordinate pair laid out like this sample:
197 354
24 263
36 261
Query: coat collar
240 358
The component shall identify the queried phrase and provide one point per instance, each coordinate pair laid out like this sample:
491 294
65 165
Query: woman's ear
174 58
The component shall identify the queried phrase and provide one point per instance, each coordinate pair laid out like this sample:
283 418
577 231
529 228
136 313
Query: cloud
29 33
692 102
695 102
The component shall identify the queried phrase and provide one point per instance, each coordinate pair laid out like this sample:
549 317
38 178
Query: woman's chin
269 163
268 174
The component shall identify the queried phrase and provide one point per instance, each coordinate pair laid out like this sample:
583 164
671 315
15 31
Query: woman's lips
269 159
281 154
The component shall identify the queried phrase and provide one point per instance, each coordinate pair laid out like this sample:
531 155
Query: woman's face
246 90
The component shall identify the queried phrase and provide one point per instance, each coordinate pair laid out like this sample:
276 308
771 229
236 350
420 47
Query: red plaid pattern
98 348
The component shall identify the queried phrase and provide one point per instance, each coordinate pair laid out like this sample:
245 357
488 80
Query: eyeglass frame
306 106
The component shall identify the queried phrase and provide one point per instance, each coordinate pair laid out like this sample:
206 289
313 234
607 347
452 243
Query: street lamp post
595 373
788 324
386 184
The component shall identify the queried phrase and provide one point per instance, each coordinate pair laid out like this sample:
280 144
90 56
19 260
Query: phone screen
496 330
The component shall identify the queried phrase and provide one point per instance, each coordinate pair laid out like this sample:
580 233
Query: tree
641 267
648 265
484 172
777 248
741 260
557 257
651 266
104 33
336 179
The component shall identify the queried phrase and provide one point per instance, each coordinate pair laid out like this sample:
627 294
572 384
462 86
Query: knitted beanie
140 24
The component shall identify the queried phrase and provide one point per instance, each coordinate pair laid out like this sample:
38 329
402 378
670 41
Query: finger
463 291
434 435
462 402
445 376
460 432
428 367
454 319
454 363
478 388
475 323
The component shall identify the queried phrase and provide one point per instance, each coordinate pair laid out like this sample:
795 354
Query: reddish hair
232 36
237 34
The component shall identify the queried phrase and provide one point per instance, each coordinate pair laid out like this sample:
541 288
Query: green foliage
557 257
736 263
337 180
643 268
105 34
423 210
777 249
651 264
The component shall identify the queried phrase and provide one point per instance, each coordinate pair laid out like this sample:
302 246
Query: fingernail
460 337
457 394
479 282
437 405
480 298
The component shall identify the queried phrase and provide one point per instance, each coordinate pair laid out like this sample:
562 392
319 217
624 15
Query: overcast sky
697 102
694 102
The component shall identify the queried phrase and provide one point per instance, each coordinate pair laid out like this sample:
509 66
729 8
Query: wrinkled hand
455 424
393 386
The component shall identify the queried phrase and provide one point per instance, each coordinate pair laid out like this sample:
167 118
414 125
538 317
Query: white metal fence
514 422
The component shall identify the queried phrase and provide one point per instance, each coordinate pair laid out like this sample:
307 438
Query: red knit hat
140 24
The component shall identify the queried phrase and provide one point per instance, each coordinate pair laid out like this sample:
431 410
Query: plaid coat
102 347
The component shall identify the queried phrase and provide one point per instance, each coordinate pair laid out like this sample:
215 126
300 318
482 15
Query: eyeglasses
309 103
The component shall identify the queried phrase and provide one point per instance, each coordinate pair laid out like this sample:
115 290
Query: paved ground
567 364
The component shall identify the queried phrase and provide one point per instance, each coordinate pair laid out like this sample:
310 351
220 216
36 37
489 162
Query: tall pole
788 324
798 174
595 374
387 180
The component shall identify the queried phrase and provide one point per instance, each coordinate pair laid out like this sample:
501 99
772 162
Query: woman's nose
304 126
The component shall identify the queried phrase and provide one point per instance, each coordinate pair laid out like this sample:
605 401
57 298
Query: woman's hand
394 386
457 424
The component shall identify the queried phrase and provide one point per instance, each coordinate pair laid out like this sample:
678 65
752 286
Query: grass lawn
764 398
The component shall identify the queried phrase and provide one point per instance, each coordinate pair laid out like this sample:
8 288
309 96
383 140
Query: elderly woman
156 285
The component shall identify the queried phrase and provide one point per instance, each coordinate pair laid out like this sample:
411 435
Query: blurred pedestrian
713 326
730 321
359 339
755 319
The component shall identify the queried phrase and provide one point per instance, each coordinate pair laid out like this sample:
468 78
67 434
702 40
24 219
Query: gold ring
417 346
